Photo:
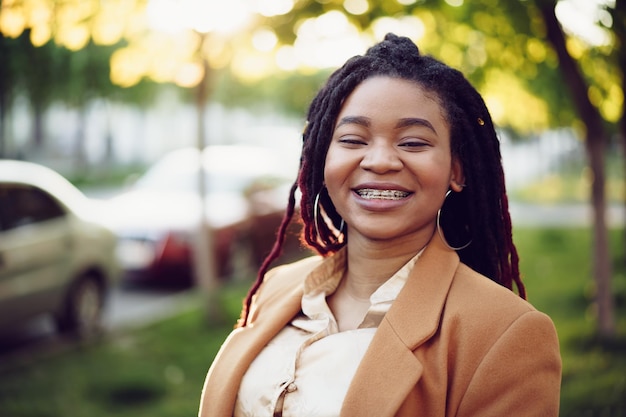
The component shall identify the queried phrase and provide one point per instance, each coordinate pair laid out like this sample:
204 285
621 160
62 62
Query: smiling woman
407 311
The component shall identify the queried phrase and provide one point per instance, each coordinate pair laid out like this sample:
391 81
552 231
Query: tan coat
454 343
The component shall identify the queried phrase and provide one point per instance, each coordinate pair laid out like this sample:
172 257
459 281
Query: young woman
409 310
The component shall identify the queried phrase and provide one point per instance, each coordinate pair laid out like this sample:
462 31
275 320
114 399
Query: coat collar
412 319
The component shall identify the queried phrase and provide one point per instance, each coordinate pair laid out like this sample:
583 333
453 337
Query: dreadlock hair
482 205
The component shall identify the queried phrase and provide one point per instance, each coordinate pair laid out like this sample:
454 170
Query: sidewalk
563 215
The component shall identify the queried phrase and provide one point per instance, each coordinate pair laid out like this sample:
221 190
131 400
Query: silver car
55 258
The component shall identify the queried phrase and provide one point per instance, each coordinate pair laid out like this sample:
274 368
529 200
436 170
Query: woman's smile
381 197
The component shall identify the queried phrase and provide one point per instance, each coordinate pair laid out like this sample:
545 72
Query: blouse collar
325 280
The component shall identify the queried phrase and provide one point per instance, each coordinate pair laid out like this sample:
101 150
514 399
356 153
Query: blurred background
147 148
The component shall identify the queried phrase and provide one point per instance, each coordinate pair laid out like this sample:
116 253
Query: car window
21 205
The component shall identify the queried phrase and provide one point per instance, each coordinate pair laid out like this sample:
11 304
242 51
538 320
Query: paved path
136 307
565 215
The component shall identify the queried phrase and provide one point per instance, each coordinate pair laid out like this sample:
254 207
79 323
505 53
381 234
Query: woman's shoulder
301 267
470 281
282 283
483 311
288 276
474 295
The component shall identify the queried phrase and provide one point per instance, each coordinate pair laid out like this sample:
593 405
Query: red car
157 221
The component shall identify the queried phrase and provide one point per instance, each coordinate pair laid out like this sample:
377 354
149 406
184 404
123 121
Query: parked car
158 219
55 258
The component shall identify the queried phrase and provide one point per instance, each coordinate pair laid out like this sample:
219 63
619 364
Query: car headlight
135 254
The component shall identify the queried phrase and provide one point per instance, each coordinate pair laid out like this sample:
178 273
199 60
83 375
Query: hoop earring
315 212
316 203
441 232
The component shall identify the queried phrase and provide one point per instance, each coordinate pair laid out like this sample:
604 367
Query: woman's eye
414 144
351 140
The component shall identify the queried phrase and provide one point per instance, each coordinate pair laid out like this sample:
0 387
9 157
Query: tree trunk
81 163
4 94
37 136
596 142
4 152
205 270
619 29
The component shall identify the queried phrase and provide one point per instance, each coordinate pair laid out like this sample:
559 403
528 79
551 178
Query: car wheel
82 312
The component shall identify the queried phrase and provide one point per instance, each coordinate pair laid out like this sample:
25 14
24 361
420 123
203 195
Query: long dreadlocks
483 205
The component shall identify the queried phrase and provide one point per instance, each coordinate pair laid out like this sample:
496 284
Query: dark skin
388 168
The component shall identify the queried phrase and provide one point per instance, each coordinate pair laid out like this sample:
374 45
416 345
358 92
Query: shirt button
292 387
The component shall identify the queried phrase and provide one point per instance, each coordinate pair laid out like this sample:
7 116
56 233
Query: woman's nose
380 159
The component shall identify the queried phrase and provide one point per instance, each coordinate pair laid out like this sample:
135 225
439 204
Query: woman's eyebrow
358 120
415 121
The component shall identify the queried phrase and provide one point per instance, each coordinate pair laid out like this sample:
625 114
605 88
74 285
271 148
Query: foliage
51 73
499 44
159 370
288 93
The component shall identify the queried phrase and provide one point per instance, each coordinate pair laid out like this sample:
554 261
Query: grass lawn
556 266
158 371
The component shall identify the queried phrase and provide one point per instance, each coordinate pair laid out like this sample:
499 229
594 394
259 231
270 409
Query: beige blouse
307 368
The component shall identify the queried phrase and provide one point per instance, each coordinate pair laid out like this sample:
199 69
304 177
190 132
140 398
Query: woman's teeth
371 194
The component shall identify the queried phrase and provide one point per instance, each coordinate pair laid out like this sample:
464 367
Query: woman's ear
457 179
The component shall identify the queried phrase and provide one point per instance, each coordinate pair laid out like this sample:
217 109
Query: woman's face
389 163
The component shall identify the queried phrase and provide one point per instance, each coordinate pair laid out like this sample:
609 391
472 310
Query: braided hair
481 209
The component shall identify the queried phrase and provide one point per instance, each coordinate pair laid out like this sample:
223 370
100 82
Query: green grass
107 176
556 266
158 371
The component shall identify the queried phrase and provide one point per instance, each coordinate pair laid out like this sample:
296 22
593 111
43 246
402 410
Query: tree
619 29
33 72
6 96
57 59
596 139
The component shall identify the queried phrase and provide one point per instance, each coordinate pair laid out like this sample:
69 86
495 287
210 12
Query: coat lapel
390 369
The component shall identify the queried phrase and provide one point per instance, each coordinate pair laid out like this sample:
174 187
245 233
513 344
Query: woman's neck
370 264
368 267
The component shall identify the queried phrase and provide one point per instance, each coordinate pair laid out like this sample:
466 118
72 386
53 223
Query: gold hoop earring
441 232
